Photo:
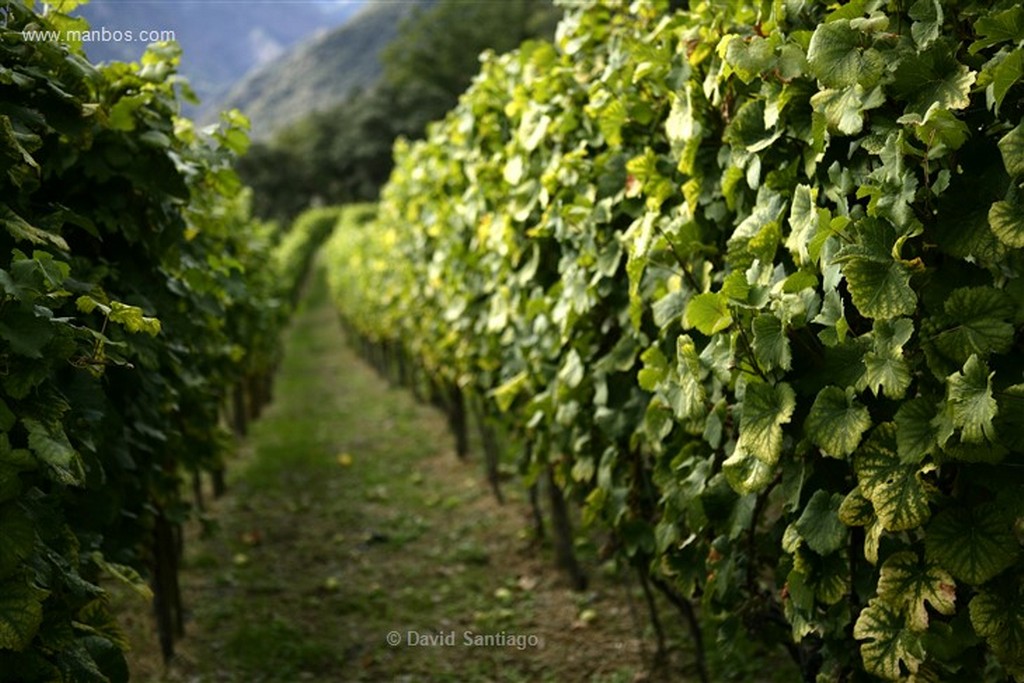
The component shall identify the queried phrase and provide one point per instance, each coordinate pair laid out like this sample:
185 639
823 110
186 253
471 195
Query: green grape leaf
927 16
505 394
910 582
21 613
771 345
828 575
856 510
819 524
765 409
1005 74
973 543
805 221
1006 218
916 435
133 319
837 421
972 407
835 56
747 474
844 109
890 641
997 615
26 333
1011 147
879 283
831 316
654 371
748 58
978 320
998 27
709 313
19 537
885 369
933 78
691 395
895 489
53 448
124 574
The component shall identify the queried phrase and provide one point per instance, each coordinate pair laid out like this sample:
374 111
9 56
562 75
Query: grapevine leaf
771 345
831 316
1006 74
933 78
572 371
20 229
828 575
690 403
974 544
26 333
997 614
749 59
856 510
999 27
819 523
895 489
890 640
844 109
927 16
836 59
837 421
747 474
885 369
765 409
910 582
972 407
125 574
19 538
805 220
1006 218
654 371
132 319
709 313
53 448
1011 146
21 613
879 284
505 394
681 125
978 321
916 435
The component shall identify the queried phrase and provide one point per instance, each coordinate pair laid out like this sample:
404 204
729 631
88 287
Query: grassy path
349 518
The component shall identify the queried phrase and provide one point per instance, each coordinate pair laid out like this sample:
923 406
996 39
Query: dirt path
348 519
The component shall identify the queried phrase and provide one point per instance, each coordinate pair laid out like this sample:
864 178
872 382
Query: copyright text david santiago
453 638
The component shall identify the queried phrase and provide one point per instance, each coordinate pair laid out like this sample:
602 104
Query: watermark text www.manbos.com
101 34
453 638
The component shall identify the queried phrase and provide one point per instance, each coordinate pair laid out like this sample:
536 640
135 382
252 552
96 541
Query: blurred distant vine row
140 312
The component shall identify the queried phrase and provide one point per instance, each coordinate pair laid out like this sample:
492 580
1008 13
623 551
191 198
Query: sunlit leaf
837 421
895 489
765 409
892 647
908 581
972 406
